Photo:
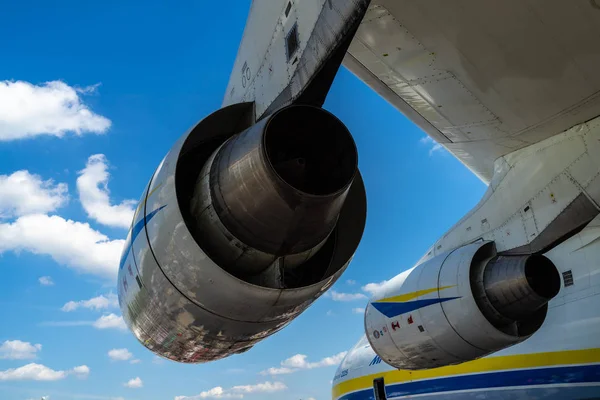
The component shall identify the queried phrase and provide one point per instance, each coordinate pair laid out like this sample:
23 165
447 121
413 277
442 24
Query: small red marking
395 325
410 320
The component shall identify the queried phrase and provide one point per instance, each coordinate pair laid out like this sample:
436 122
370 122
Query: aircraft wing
478 87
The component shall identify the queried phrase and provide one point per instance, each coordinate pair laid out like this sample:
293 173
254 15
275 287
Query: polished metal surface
274 191
178 301
519 286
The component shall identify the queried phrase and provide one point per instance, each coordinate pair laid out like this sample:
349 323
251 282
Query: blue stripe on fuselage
135 231
391 310
520 378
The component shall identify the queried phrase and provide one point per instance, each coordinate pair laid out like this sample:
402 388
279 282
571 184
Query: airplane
257 210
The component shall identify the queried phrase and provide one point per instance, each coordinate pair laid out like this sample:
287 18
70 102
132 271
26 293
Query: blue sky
92 95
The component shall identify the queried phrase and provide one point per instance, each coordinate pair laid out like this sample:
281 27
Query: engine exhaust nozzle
275 191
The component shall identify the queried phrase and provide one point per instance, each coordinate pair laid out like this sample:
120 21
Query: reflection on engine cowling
459 306
240 229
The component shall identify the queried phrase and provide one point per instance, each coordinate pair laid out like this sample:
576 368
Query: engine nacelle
459 306
240 229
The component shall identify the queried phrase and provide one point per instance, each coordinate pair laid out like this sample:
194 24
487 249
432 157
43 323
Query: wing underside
481 77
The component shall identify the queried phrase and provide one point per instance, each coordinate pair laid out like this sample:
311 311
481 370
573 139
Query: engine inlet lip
288 186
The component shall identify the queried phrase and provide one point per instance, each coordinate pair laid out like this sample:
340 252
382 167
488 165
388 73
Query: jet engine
460 305
240 229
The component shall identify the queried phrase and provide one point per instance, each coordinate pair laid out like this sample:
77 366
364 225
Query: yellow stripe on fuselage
517 361
409 296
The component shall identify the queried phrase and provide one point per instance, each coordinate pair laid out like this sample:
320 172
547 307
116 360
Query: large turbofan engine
459 306
240 229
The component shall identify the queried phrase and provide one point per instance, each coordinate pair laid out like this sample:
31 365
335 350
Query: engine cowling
459 306
240 229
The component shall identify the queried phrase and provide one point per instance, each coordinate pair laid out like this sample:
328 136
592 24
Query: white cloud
351 282
92 185
278 371
136 361
39 372
32 372
52 108
110 321
265 387
299 362
46 281
236 392
134 383
358 310
214 393
330 313
18 350
120 354
96 303
82 371
373 288
428 141
338 296
71 243
24 193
